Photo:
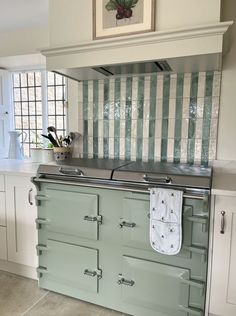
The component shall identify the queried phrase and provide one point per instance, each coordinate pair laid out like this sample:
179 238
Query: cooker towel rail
166 220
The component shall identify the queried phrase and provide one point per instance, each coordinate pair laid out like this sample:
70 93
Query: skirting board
26 271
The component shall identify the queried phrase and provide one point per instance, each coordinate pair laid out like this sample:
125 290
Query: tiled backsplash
153 117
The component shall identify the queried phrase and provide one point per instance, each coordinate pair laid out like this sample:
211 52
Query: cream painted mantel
196 47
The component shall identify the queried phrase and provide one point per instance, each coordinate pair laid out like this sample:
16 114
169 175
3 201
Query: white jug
15 149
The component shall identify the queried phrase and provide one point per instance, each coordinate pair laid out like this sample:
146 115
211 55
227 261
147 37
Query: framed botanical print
122 17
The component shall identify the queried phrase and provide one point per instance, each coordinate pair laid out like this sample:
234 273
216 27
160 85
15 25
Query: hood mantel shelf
188 49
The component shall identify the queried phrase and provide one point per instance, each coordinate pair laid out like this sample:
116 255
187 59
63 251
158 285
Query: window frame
44 101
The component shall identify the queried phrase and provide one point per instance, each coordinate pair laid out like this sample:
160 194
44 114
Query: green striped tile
192 117
165 115
85 118
152 125
128 109
207 117
95 118
106 119
117 119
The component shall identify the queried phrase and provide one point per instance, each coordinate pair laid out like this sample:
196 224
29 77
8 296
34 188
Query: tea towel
166 220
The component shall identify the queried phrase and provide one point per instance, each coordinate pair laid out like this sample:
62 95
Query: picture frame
113 18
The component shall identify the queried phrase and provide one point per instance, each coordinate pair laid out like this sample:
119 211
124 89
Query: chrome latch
123 223
93 273
97 219
123 281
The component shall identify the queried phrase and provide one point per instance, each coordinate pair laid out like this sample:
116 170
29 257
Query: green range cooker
93 235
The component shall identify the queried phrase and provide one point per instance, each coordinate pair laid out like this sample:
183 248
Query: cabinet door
2 209
223 285
21 215
68 266
3 243
162 288
4 112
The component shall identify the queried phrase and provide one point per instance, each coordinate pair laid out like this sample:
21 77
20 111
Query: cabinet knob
222 224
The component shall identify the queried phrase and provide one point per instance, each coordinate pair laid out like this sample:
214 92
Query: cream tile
80 91
123 89
160 80
135 88
112 89
201 85
197 150
145 149
90 91
159 109
187 84
17 294
172 106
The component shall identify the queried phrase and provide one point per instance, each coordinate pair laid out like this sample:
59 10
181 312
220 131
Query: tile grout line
31 307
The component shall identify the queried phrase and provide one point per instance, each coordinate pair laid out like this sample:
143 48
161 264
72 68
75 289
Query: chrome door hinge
93 273
97 219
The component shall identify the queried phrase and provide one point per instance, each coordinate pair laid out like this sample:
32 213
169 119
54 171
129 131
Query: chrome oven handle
76 172
222 224
157 179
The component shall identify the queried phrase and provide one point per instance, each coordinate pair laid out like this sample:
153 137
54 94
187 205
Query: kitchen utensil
51 139
53 129
15 148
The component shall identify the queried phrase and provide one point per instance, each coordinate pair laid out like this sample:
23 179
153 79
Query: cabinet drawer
3 243
2 183
66 211
2 209
69 265
155 286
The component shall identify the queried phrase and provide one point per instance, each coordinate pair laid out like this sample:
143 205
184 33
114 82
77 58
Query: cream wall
226 149
71 20
27 41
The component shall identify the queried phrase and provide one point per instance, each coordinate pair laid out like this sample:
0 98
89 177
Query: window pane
59 92
51 121
23 80
38 94
32 122
31 81
16 80
51 108
17 108
32 108
17 94
32 96
25 122
60 107
24 94
51 76
18 122
39 108
60 122
59 79
51 93
38 79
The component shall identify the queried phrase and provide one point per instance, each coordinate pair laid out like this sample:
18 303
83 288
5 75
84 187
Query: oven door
66 210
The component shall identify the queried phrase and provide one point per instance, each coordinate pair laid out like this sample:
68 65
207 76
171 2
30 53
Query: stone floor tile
54 304
17 294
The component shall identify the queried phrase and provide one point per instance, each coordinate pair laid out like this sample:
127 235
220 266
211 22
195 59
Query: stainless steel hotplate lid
183 175
81 168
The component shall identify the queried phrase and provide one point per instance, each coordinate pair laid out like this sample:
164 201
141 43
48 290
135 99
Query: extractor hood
197 48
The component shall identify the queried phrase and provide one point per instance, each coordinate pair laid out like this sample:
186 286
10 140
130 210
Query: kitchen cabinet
21 213
223 284
93 245
5 93
3 237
